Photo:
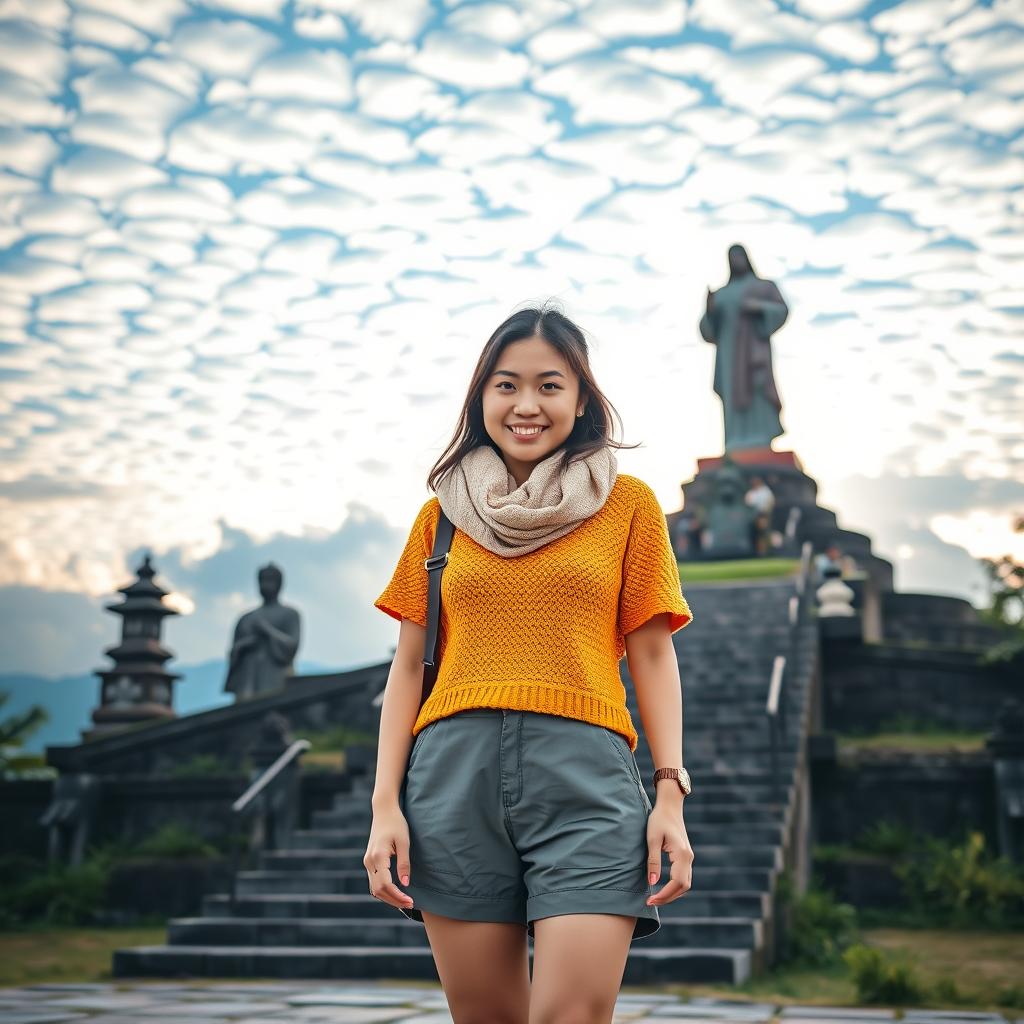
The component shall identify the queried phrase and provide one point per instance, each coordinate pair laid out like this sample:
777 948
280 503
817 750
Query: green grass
907 733
976 970
737 569
33 956
939 742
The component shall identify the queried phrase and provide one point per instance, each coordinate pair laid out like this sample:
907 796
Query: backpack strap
435 566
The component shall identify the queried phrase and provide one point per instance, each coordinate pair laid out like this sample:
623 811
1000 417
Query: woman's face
531 384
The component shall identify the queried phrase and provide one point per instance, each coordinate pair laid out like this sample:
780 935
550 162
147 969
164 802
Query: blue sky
251 250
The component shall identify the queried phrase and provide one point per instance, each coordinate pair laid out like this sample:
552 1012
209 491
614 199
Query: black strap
435 566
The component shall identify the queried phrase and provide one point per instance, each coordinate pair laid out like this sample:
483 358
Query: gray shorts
516 815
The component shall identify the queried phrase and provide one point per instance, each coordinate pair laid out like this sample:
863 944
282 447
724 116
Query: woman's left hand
666 833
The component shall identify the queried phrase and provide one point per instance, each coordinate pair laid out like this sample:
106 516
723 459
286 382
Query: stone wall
865 685
311 704
943 795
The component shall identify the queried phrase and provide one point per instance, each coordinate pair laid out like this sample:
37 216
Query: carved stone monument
739 320
265 642
138 688
728 516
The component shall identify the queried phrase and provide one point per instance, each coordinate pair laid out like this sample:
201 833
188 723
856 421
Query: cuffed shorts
518 815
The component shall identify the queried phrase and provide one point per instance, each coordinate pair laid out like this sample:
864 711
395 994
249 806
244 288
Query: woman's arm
398 713
654 669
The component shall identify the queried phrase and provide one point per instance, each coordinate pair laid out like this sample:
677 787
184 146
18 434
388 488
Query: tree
1006 585
14 730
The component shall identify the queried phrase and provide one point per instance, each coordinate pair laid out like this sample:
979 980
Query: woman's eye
557 387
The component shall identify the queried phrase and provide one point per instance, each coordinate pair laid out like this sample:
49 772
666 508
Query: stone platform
368 1003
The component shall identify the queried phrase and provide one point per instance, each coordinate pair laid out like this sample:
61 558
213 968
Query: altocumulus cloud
251 249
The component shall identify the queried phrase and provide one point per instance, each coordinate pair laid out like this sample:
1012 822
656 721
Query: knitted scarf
480 496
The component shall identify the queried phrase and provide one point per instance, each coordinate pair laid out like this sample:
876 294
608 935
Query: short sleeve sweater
544 631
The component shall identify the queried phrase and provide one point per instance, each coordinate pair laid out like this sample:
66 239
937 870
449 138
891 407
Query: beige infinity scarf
481 498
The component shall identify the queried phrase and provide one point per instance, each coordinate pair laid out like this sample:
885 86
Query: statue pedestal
766 457
796 517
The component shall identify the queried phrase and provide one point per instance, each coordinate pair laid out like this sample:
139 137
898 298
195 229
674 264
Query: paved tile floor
369 1003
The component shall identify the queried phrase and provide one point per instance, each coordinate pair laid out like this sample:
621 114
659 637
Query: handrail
266 779
805 566
775 709
791 520
775 706
775 686
268 776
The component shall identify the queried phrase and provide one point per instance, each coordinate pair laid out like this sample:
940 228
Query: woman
520 808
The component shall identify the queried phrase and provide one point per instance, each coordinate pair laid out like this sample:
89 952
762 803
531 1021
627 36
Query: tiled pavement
313 1003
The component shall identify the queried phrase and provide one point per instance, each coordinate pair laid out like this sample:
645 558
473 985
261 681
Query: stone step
715 876
342 839
695 812
643 965
395 930
744 790
695 903
307 912
747 854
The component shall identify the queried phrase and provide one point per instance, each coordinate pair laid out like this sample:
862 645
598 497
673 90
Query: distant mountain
70 700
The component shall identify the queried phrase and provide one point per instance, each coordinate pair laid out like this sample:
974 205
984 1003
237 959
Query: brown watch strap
681 775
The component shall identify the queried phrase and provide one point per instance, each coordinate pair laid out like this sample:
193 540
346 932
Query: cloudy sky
251 250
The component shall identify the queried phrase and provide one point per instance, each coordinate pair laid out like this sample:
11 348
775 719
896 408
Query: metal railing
792 521
775 705
776 721
262 787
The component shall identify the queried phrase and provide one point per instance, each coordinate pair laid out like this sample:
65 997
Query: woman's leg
578 963
484 969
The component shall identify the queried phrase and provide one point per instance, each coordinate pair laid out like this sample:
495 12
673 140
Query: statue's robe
744 379
266 665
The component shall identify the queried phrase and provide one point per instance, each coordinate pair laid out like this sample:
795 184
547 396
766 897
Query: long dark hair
591 431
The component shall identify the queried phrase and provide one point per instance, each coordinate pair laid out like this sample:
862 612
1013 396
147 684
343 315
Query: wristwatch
681 775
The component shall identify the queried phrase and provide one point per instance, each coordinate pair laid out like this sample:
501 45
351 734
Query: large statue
739 319
265 642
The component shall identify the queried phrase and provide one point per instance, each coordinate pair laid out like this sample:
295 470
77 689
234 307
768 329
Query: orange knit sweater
544 631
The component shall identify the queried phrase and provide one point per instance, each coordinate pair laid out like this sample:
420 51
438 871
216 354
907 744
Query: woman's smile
524 434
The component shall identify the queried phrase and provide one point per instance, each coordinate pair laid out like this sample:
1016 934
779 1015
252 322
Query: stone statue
264 643
729 517
739 320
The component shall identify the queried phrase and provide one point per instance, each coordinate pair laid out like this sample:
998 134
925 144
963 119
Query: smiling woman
555 559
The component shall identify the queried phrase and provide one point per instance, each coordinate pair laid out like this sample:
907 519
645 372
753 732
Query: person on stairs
511 800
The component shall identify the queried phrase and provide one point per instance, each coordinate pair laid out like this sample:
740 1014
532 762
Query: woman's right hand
389 837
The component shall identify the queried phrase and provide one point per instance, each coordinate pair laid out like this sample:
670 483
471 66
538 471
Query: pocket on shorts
417 743
629 765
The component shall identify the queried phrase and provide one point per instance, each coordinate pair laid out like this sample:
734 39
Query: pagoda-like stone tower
138 688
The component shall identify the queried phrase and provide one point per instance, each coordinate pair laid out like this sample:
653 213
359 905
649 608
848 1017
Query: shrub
960 885
1011 996
174 840
947 991
57 894
879 979
888 839
202 766
337 738
818 927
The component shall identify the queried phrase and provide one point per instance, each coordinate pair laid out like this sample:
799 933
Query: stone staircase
306 912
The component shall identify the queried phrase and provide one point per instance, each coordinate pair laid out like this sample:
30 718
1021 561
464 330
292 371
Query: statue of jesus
739 320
